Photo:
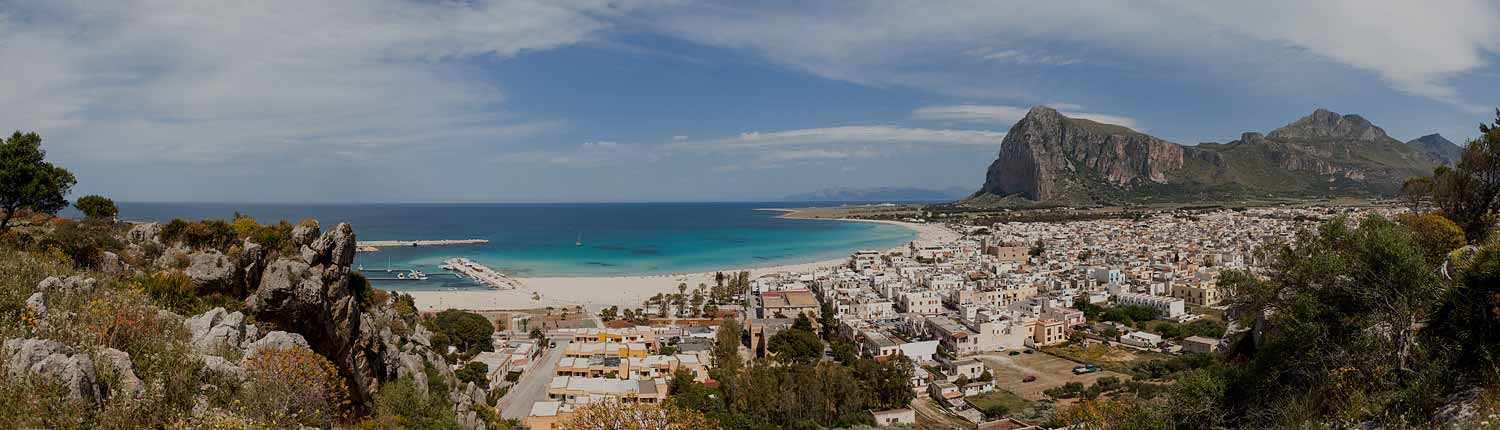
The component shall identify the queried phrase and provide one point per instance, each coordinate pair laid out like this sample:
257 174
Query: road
533 384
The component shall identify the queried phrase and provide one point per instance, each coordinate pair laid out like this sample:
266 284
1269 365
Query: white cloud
1415 46
1006 115
854 134
587 154
1019 57
210 81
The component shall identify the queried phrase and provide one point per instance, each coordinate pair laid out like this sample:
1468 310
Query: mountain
845 194
1439 149
1050 158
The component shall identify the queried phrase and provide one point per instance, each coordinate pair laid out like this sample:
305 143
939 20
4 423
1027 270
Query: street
533 384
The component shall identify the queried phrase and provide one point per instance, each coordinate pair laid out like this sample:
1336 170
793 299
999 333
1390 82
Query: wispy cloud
587 154
1000 114
1019 57
202 81
853 134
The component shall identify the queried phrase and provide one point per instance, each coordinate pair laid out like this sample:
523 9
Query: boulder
213 271
275 340
52 359
68 285
145 232
38 303
218 365
412 364
217 331
305 232
110 264
289 291
119 364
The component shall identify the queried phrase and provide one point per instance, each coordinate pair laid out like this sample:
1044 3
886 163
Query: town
1001 326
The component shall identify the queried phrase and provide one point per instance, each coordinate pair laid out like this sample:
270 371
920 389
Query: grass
1113 358
1011 401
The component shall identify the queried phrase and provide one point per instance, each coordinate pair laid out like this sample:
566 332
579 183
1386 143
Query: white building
1166 307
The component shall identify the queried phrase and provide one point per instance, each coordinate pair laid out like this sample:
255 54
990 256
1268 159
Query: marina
480 273
374 245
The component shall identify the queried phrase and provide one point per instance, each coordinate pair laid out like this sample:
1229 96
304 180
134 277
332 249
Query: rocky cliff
1050 158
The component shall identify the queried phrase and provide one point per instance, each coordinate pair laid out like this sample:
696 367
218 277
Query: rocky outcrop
311 295
146 232
1049 157
52 359
275 340
213 271
122 370
217 330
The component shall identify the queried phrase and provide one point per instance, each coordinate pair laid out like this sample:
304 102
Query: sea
565 240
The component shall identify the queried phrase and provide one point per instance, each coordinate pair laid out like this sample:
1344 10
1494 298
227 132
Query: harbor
374 245
480 273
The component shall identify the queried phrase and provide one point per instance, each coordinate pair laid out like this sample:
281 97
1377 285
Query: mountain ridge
1050 158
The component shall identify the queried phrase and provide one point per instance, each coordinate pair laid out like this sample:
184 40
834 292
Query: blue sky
677 100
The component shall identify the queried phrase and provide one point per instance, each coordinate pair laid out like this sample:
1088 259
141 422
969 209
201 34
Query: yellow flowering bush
289 387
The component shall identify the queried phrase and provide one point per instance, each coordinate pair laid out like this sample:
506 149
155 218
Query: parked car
1087 368
1030 352
1015 353
1028 378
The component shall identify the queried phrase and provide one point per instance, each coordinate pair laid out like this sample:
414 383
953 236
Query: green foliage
475 372
205 234
1469 318
83 243
1066 391
400 405
1437 235
1179 331
794 345
1469 192
28 181
1129 314
470 332
174 291
97 207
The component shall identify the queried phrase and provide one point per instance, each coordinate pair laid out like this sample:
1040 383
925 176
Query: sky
684 100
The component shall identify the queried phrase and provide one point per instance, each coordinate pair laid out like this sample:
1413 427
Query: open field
1012 402
1050 371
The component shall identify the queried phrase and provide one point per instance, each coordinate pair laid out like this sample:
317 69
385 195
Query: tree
470 332
795 346
27 182
537 335
476 372
1416 191
1469 192
98 207
1436 234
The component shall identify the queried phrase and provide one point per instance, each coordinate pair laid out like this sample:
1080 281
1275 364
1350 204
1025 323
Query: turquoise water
541 239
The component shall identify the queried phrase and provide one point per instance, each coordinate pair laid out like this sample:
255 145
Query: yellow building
1200 293
1048 332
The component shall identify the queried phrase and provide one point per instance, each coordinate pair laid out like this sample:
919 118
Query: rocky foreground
300 296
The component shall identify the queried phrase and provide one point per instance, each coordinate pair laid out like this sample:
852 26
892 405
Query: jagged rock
222 367
119 364
213 271
342 252
1461 410
252 263
411 364
275 340
217 330
291 291
145 232
1041 157
69 285
52 359
305 232
38 303
110 264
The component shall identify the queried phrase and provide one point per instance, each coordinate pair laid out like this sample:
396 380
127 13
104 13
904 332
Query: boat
579 242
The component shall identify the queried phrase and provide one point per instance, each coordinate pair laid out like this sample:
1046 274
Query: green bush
97 207
475 372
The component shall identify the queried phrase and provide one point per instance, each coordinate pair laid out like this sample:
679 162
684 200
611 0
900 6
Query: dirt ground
1050 371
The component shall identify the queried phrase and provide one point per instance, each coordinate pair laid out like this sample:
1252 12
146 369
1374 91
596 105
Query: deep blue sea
541 239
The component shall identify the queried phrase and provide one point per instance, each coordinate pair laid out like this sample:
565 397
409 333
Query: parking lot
1050 371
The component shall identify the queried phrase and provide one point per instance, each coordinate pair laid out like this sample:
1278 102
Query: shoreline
600 292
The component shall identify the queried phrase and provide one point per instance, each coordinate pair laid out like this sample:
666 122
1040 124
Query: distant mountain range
845 194
1050 158
1437 148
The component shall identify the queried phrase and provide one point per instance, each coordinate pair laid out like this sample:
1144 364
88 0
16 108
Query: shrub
83 243
1437 235
398 405
470 332
291 387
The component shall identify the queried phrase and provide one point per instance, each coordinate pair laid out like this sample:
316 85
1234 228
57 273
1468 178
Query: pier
481 273
374 245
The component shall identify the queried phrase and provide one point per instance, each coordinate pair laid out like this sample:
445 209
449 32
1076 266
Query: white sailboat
579 242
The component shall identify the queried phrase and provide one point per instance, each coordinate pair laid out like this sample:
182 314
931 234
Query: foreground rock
52 359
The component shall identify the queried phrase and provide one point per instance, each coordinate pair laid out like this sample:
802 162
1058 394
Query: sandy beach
625 291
